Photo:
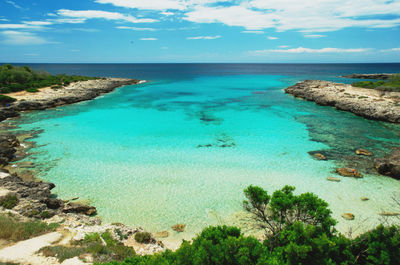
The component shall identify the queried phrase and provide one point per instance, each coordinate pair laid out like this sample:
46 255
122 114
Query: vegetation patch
143 237
14 230
14 79
391 85
61 252
9 201
299 229
6 99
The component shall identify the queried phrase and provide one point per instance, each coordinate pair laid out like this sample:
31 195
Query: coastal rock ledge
368 103
73 93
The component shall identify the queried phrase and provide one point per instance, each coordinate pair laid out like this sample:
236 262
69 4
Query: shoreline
368 103
34 195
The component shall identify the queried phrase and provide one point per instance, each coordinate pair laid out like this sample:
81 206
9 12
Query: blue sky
136 31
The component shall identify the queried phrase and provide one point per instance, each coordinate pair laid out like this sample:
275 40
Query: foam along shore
52 97
368 103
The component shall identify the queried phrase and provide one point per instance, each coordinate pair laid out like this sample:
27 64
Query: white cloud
308 50
232 16
314 36
135 28
204 37
4 19
253 31
14 4
284 46
12 37
19 26
91 14
165 13
148 39
272 38
391 50
147 4
305 16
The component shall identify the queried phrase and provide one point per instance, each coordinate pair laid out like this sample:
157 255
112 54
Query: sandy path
24 252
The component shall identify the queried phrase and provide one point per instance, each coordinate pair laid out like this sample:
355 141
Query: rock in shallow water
79 208
364 152
349 172
333 179
348 216
178 227
389 165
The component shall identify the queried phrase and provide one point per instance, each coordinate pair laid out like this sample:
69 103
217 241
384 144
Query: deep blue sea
182 147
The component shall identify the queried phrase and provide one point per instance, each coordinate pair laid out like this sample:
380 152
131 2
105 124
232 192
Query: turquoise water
182 151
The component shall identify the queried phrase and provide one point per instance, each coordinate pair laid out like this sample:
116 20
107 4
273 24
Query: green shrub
6 99
62 253
390 85
31 90
9 201
143 237
15 230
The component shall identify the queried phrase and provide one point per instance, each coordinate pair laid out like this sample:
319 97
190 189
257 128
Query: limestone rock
364 152
389 165
73 207
162 234
389 214
364 198
333 179
319 156
348 216
178 227
349 172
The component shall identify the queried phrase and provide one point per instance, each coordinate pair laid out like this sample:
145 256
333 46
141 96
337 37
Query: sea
181 147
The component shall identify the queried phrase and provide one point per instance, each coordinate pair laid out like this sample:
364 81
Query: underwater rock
319 156
364 198
389 165
349 172
333 179
364 152
389 214
178 227
348 216
162 234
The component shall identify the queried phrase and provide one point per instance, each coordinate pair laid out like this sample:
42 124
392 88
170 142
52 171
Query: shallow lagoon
183 150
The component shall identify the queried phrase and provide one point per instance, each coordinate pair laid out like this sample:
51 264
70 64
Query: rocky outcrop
389 165
7 113
349 172
73 207
8 147
368 103
368 76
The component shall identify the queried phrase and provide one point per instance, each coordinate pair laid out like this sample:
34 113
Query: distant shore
368 103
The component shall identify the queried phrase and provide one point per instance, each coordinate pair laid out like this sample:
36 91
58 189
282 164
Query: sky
162 31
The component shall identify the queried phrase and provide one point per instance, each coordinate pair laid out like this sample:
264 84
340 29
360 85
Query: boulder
54 203
389 165
389 214
178 227
319 156
8 147
333 179
348 172
162 234
364 152
364 198
348 216
73 207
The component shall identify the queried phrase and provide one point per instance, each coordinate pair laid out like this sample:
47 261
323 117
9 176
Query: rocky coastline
54 97
33 200
369 76
368 103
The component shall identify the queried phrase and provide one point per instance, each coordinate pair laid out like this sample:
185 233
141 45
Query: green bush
6 99
9 201
143 237
391 85
13 79
302 233
32 90
62 253
14 230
